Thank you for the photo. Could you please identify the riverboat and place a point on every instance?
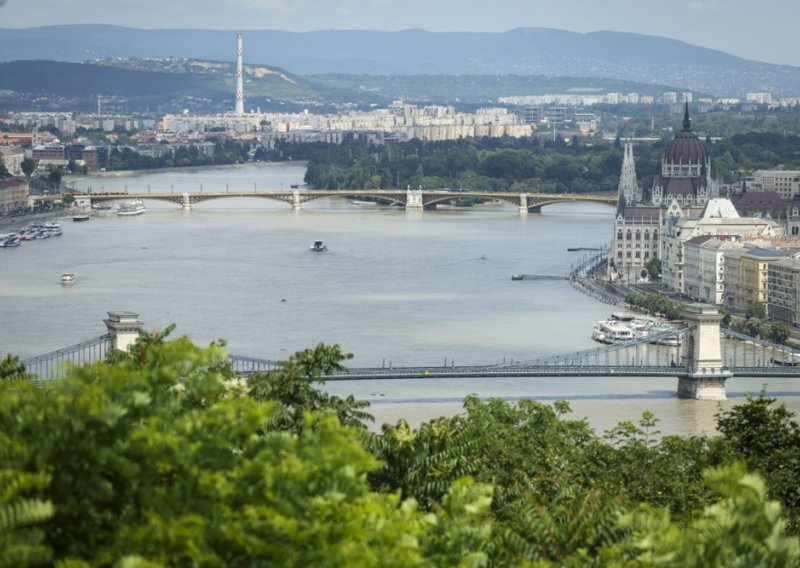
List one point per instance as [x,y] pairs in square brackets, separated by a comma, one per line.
[318,246]
[611,331]
[130,208]
[67,279]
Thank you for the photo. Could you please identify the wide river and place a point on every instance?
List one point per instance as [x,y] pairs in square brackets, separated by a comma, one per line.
[395,287]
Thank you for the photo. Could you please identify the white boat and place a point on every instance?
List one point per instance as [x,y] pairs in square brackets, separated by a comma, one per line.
[672,340]
[130,208]
[80,218]
[612,331]
[67,278]
[318,246]
[10,241]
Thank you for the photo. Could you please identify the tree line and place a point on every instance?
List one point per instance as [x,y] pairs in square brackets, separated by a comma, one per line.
[532,164]
[164,456]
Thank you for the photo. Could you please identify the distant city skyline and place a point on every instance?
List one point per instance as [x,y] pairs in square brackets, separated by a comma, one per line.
[761,31]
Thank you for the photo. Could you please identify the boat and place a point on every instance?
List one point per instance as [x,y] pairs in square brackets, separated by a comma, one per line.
[80,218]
[67,278]
[611,331]
[101,206]
[517,277]
[319,246]
[130,208]
[10,241]
[790,360]
[671,341]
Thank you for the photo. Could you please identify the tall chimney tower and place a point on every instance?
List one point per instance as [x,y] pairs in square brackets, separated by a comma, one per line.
[239,80]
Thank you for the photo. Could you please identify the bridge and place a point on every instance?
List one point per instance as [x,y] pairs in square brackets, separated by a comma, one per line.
[700,354]
[408,198]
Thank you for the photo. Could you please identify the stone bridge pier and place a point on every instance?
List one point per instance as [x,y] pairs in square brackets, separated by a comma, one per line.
[414,199]
[123,327]
[702,355]
[523,203]
[186,201]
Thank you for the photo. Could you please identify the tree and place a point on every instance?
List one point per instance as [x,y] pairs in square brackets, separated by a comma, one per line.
[12,368]
[54,177]
[653,268]
[28,166]
[778,332]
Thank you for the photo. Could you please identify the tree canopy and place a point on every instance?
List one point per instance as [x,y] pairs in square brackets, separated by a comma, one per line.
[164,456]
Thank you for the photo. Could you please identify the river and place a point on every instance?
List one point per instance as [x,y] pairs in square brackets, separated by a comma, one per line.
[396,287]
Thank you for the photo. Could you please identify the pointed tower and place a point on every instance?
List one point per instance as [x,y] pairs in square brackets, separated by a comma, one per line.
[628,186]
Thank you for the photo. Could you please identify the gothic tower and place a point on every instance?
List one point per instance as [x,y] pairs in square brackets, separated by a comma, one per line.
[628,187]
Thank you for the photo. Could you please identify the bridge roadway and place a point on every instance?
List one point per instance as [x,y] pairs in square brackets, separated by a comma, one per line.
[410,198]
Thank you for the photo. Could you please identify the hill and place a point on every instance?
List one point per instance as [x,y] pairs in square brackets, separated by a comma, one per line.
[523,51]
[172,84]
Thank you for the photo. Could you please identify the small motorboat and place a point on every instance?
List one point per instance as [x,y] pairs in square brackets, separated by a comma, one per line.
[80,218]
[319,246]
[67,279]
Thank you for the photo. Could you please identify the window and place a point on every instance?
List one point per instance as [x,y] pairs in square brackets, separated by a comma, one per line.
[619,235]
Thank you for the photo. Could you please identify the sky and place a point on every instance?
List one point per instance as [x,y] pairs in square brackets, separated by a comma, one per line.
[763,30]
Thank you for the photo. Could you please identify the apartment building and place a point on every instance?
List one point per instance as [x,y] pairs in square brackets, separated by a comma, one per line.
[13,194]
[786,183]
[784,290]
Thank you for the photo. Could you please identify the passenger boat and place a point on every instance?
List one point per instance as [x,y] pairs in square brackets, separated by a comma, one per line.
[611,331]
[67,278]
[130,208]
[80,218]
[319,246]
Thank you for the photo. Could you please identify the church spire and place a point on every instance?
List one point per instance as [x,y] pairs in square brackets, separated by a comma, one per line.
[628,186]
[687,122]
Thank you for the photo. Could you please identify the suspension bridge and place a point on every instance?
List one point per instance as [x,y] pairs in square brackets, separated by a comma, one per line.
[700,354]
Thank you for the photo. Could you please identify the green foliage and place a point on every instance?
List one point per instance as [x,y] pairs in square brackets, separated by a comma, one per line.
[656,304]
[293,384]
[28,166]
[767,437]
[653,268]
[741,529]
[488,164]
[163,456]
[755,310]
[11,367]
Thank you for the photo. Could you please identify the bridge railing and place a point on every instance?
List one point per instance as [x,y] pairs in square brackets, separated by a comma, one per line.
[249,365]
[743,352]
[53,365]
[661,349]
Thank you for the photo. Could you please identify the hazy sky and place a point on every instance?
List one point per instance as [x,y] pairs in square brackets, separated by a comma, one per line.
[764,30]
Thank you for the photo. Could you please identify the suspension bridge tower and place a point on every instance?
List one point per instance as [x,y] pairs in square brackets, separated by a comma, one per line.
[702,355]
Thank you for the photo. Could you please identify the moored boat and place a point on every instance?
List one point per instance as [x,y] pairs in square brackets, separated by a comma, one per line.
[611,331]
